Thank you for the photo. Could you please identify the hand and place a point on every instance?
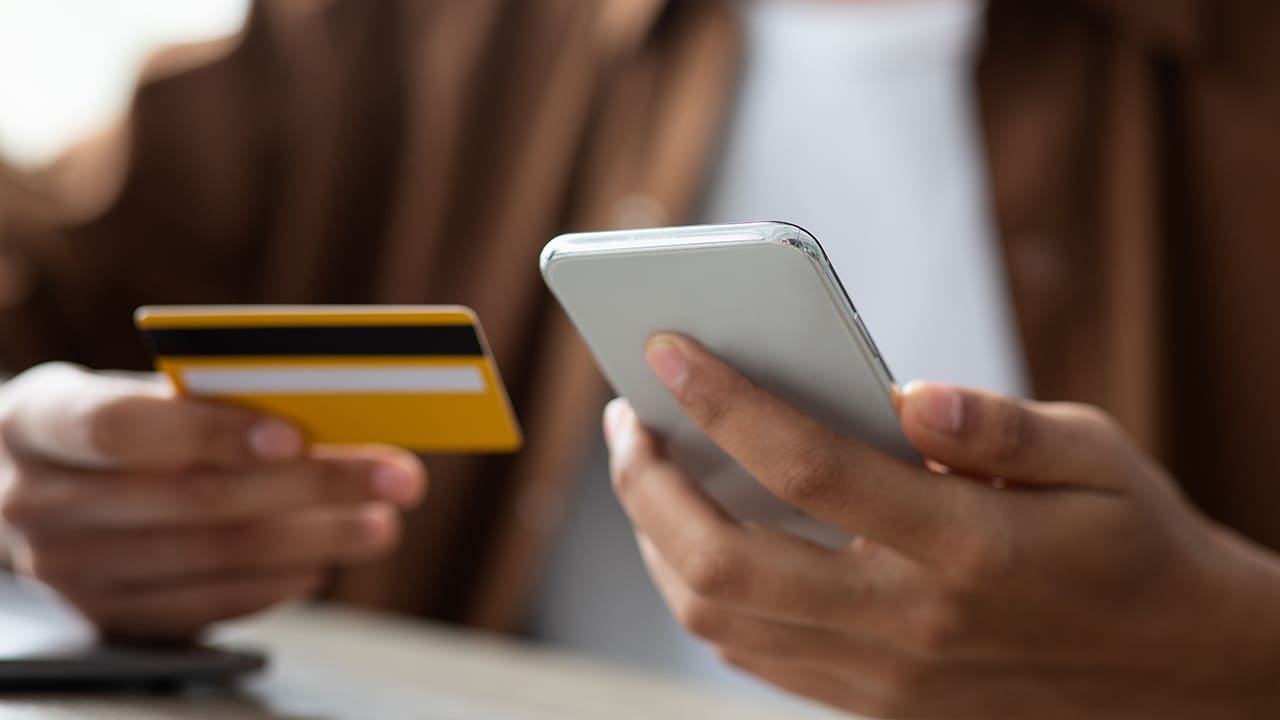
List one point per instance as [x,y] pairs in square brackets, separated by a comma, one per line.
[155,515]
[1052,572]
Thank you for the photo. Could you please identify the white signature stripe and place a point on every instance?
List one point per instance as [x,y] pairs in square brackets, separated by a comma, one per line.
[333,380]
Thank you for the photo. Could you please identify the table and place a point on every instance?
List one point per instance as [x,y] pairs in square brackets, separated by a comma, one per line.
[333,663]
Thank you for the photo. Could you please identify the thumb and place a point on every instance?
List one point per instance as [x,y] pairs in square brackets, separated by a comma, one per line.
[65,414]
[996,436]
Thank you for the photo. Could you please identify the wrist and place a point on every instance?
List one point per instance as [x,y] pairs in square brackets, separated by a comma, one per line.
[1247,645]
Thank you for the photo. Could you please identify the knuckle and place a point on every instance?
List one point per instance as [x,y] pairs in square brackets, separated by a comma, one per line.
[715,416]
[809,474]
[716,570]
[707,398]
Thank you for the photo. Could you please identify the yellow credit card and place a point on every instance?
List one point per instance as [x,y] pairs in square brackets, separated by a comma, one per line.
[420,377]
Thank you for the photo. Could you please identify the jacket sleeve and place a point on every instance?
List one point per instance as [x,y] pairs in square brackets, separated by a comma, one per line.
[1174,25]
[165,207]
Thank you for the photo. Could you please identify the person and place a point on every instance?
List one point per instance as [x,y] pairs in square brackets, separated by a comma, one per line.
[1128,151]
[1054,570]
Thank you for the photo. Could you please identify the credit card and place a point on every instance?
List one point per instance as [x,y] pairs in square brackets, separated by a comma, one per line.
[420,377]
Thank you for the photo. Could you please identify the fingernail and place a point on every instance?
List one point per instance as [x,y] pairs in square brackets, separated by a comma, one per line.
[941,408]
[394,483]
[614,415]
[275,440]
[667,362]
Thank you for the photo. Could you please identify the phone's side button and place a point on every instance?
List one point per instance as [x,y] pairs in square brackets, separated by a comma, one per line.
[875,351]
[884,369]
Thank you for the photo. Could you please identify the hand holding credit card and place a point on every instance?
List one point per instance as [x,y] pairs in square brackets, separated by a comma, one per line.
[419,377]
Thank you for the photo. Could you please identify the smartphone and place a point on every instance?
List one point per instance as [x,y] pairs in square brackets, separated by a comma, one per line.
[46,647]
[761,296]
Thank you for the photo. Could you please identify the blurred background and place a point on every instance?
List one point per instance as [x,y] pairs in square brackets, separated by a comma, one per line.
[67,67]
[1120,176]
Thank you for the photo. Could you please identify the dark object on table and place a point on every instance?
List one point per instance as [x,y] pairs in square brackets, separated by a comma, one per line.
[45,647]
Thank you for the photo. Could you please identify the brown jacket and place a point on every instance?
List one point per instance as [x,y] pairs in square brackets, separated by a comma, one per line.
[422,151]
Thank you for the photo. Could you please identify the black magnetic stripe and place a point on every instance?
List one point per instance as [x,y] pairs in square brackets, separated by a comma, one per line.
[352,340]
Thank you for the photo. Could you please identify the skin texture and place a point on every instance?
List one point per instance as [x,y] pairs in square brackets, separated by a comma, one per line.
[1040,566]
[155,515]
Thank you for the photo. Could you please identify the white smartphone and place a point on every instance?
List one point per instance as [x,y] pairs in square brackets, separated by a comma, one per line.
[761,296]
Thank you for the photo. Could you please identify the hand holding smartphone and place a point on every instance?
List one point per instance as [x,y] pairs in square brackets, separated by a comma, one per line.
[761,296]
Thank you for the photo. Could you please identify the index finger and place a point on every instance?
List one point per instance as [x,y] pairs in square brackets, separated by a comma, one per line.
[837,479]
[73,417]
[765,574]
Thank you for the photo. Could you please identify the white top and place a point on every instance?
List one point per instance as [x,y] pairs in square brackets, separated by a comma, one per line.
[68,67]
[855,120]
